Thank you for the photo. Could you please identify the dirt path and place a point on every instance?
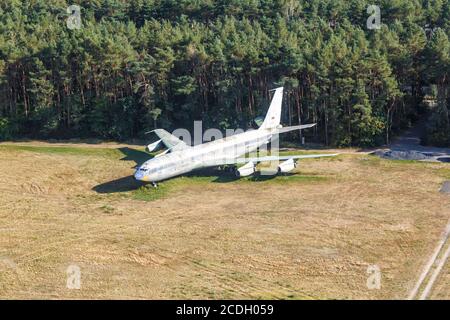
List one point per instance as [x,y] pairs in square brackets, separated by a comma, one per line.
[429,266]
[410,141]
[436,273]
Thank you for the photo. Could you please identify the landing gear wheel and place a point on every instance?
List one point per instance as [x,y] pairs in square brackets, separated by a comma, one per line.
[155,185]
[230,169]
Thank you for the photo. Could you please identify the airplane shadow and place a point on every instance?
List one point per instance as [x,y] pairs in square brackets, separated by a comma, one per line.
[137,156]
[126,183]
[220,176]
[119,185]
[258,177]
[227,177]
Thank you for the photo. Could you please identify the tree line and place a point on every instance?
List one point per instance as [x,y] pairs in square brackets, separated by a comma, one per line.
[140,64]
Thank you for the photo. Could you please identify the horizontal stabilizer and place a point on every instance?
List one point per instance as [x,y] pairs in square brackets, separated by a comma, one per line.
[300,127]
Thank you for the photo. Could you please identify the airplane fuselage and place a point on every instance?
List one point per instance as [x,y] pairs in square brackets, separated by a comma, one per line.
[201,156]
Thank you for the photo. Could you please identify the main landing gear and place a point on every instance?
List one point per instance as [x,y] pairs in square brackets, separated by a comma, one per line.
[228,169]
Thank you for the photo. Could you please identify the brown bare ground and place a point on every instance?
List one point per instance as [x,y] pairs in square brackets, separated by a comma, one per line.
[284,239]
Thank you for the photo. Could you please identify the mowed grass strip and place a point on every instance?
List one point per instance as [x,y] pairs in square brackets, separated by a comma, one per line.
[170,187]
[67,150]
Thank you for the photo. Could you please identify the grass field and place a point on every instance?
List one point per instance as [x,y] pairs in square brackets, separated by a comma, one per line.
[303,236]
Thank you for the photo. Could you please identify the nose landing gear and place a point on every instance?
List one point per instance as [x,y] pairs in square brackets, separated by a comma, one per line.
[155,185]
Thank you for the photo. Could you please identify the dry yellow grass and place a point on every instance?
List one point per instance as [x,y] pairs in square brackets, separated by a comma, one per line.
[312,235]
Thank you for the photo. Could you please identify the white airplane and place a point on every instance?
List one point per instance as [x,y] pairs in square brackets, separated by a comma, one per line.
[179,158]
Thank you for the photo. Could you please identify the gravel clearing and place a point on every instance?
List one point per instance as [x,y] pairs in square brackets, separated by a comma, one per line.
[401,155]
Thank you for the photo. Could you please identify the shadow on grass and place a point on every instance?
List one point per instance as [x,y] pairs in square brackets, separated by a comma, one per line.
[214,174]
[259,177]
[139,157]
[206,175]
[119,185]
[221,176]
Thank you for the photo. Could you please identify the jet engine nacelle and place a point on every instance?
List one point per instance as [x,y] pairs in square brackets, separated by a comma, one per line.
[153,146]
[162,153]
[246,170]
[287,166]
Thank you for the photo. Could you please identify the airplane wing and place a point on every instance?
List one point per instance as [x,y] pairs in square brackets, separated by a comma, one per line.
[170,141]
[219,162]
[282,158]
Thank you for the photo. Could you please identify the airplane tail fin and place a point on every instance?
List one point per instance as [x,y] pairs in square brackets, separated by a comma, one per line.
[273,116]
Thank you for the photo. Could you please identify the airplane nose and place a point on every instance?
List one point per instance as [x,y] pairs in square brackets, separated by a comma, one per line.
[139,175]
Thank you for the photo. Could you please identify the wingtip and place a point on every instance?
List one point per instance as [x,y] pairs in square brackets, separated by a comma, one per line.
[275,89]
